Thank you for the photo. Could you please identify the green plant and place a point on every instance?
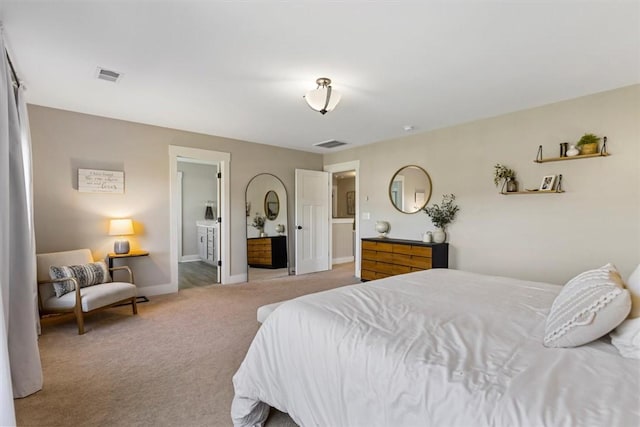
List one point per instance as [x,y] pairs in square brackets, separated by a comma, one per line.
[502,173]
[258,221]
[443,214]
[588,138]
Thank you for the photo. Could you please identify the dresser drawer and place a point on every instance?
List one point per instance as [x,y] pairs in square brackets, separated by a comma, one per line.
[412,261]
[388,257]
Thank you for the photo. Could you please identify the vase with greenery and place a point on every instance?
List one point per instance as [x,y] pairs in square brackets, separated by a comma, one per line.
[505,175]
[588,144]
[442,215]
[258,222]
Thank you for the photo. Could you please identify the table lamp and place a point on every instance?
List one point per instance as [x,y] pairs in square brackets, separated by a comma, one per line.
[121,227]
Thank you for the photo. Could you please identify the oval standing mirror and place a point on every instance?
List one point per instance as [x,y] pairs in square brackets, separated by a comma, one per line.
[271,205]
[267,228]
[410,189]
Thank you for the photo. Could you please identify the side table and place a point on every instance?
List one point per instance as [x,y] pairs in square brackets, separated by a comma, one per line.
[131,254]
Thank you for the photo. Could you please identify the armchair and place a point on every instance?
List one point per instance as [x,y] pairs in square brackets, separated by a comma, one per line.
[82,300]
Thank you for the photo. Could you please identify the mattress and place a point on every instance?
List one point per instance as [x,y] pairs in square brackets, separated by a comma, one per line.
[434,348]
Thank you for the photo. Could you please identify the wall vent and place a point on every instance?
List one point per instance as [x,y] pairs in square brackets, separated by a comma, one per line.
[332,143]
[108,75]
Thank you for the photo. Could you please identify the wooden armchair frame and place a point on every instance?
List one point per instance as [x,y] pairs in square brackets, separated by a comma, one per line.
[77,309]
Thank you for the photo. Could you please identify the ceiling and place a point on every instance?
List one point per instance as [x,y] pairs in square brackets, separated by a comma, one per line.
[240,69]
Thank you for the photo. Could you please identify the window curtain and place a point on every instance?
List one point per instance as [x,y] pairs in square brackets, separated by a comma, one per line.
[20,368]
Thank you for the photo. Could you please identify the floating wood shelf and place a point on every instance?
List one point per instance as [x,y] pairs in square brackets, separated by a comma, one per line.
[580,156]
[509,193]
[603,153]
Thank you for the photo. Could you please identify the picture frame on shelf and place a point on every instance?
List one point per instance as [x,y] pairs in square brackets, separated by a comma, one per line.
[547,183]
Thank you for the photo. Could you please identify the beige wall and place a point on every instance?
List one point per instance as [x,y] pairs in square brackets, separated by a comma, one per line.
[548,237]
[65,219]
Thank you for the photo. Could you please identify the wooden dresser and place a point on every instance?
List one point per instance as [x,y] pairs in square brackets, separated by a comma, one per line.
[388,257]
[267,252]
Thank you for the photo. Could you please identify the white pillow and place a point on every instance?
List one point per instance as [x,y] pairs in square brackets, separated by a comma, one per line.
[588,307]
[626,338]
[633,285]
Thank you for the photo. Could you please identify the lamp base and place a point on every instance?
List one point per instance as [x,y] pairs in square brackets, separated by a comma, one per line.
[121,247]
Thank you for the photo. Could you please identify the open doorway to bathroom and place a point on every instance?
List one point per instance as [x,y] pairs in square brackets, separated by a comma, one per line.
[344,230]
[198,247]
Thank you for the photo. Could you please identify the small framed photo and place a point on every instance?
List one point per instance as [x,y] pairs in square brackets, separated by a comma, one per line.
[547,183]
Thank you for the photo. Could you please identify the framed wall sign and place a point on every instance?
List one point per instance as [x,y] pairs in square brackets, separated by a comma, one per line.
[100,181]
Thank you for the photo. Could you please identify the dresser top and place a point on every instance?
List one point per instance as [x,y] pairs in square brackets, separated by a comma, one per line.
[402,241]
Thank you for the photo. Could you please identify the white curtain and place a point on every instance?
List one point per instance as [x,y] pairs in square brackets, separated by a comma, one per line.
[20,368]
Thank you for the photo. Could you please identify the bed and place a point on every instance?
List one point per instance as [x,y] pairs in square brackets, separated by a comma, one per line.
[434,348]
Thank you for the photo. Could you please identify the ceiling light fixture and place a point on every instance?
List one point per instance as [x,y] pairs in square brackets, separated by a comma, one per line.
[322,99]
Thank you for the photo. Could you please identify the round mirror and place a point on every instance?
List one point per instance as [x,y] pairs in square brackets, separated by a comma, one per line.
[410,189]
[271,205]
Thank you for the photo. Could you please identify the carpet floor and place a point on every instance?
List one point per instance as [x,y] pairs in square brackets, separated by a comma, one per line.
[171,365]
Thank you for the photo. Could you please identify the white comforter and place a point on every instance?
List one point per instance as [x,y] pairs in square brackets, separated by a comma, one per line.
[434,348]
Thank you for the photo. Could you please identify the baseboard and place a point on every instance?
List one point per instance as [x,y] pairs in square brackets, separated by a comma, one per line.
[343,260]
[167,288]
[238,278]
[190,258]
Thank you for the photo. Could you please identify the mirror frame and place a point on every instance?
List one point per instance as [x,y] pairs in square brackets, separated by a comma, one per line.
[285,222]
[266,210]
[426,198]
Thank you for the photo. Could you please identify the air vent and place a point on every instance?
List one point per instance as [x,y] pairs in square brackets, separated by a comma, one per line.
[108,75]
[332,143]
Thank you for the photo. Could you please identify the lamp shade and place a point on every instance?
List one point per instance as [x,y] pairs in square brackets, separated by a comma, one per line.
[120,227]
[323,99]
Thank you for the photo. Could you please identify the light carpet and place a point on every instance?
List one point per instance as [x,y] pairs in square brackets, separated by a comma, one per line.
[171,365]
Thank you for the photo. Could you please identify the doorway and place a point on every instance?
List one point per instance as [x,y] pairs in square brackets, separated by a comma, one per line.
[344,233]
[220,224]
[198,243]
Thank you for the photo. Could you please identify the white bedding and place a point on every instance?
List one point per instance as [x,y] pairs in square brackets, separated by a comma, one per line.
[434,348]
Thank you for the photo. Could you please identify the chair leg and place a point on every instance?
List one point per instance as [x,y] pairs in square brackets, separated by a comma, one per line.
[134,305]
[80,321]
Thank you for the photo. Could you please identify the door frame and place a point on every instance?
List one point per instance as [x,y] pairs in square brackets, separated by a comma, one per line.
[344,167]
[223,160]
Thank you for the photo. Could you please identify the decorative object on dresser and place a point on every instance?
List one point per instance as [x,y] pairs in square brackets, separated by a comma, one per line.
[280,228]
[389,257]
[258,222]
[507,176]
[441,216]
[267,252]
[382,227]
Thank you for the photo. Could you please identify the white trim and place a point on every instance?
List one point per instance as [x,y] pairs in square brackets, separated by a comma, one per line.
[223,160]
[148,291]
[190,258]
[343,167]
[237,278]
[342,260]
[179,213]
[342,220]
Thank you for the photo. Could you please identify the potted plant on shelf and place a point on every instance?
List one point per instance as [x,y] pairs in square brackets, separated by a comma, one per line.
[441,216]
[588,144]
[258,222]
[505,175]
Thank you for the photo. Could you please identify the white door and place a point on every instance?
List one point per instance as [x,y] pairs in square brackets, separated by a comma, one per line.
[312,221]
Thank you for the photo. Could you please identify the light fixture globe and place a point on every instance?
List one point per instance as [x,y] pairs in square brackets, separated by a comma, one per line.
[322,99]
